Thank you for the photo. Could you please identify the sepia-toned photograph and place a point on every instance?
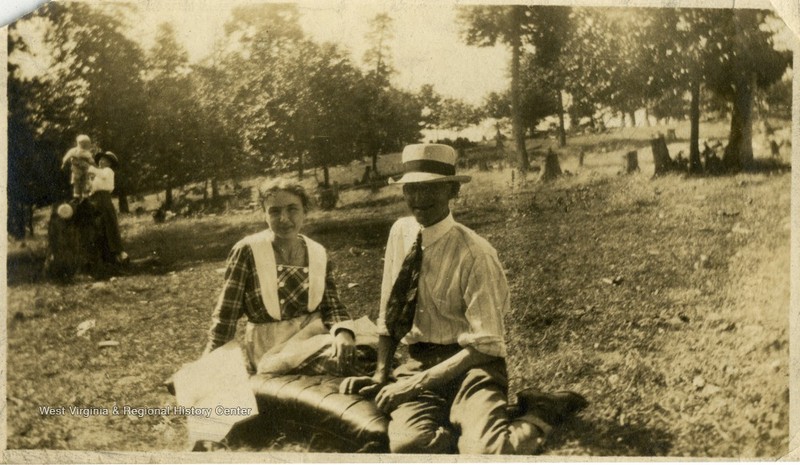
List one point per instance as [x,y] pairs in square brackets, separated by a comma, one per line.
[410,229]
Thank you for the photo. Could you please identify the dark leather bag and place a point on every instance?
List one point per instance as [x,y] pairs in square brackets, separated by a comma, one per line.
[312,405]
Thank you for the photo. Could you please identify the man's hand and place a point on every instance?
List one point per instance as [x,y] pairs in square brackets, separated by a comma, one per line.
[364,386]
[392,395]
[344,350]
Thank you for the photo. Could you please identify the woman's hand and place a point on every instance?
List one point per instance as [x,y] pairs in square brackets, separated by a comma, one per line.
[344,350]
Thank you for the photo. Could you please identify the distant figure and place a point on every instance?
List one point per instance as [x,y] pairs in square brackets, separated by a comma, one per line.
[711,162]
[775,148]
[80,159]
[681,162]
[498,138]
[367,176]
[102,184]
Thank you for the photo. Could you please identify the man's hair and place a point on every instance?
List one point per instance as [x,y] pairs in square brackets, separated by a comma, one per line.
[268,188]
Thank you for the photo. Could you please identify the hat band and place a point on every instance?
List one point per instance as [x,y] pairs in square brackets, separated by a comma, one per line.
[430,166]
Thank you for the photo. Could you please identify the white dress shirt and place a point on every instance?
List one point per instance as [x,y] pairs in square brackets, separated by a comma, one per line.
[462,294]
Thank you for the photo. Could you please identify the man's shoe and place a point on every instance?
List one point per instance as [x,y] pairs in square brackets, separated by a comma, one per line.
[553,408]
[206,445]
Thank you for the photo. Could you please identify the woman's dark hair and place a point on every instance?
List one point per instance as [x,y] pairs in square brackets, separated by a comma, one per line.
[268,188]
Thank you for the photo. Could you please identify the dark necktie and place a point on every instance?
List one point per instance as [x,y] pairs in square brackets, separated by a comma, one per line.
[402,303]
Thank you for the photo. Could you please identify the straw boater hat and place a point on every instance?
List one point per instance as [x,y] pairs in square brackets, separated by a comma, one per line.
[430,163]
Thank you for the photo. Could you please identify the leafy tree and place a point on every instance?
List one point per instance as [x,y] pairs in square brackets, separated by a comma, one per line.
[431,103]
[219,141]
[253,52]
[378,61]
[587,63]
[730,52]
[446,113]
[746,61]
[173,124]
[777,98]
[89,82]
[378,56]
[34,176]
[540,93]
[330,87]
[497,105]
[516,26]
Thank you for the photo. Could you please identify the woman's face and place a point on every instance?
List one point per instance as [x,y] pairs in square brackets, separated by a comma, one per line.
[104,162]
[285,214]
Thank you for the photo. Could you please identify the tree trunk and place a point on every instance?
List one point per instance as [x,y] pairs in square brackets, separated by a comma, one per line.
[16,219]
[168,196]
[632,115]
[562,133]
[646,117]
[214,189]
[300,165]
[205,191]
[663,162]
[517,12]
[695,166]
[326,176]
[552,168]
[631,162]
[375,163]
[122,195]
[739,152]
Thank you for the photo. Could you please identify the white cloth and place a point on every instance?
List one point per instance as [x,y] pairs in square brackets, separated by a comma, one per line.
[217,390]
[261,339]
[102,179]
[462,293]
[310,341]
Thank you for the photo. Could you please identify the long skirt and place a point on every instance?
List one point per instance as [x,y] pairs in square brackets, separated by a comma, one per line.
[110,239]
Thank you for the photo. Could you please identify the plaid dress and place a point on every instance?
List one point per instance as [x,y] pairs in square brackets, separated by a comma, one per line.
[241,296]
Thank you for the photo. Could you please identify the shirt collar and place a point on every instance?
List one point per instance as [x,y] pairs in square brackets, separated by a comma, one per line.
[432,233]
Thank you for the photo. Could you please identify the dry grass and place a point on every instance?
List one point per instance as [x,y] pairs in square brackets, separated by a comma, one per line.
[686,355]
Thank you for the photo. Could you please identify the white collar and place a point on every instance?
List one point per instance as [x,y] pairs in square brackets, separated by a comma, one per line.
[432,233]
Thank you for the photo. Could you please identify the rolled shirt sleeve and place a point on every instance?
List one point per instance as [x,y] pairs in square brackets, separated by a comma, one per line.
[486,297]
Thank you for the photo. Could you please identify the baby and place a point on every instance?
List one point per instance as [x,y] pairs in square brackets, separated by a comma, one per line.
[80,158]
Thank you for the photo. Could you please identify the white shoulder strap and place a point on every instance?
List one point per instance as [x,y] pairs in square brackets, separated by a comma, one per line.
[264,258]
[317,265]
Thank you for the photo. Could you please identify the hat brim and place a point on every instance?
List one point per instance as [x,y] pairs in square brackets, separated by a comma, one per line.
[112,158]
[417,177]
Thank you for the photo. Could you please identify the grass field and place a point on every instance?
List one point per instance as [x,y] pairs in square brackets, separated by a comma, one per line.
[665,301]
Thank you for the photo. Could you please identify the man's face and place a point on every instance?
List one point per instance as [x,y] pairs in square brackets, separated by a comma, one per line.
[429,201]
